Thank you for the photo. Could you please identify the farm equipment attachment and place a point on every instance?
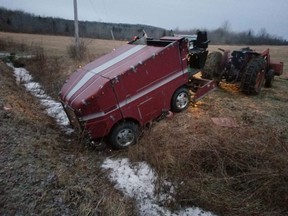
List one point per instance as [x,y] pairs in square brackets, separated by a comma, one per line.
[245,66]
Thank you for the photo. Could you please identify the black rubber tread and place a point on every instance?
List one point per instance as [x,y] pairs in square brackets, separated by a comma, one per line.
[179,91]
[125,125]
[249,78]
[212,68]
[269,77]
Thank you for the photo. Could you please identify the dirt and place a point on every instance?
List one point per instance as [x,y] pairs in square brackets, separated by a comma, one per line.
[43,171]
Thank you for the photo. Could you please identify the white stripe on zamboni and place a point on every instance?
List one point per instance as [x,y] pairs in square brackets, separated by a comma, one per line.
[102,67]
[136,96]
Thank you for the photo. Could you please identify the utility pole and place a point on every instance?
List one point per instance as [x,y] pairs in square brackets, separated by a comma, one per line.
[76,28]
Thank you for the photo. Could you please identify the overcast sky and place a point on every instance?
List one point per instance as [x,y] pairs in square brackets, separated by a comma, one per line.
[242,15]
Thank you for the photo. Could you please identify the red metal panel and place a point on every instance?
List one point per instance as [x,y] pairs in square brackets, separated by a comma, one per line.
[172,38]
[129,63]
[146,85]
[206,87]
[80,73]
[277,67]
[103,59]
[111,65]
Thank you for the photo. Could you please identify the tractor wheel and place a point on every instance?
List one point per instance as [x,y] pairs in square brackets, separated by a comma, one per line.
[269,77]
[124,134]
[180,100]
[253,76]
[212,68]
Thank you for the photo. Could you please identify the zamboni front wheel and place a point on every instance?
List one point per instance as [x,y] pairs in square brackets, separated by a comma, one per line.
[124,134]
[180,100]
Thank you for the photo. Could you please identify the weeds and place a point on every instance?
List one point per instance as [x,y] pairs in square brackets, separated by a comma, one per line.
[230,171]
[9,45]
[79,54]
[46,70]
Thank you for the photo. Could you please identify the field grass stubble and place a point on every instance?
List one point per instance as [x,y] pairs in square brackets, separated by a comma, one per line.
[232,171]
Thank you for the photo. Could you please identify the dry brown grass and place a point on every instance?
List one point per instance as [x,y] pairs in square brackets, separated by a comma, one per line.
[230,171]
[57,45]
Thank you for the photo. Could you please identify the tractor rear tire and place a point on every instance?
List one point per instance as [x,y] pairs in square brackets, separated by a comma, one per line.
[269,77]
[253,77]
[212,68]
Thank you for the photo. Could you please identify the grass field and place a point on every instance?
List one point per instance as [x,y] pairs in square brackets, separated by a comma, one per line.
[229,171]
[57,46]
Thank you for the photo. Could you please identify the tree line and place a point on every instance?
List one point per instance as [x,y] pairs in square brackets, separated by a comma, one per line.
[224,35]
[19,21]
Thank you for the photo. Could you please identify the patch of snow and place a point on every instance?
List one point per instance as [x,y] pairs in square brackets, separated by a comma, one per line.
[53,108]
[138,181]
[4,54]
[17,56]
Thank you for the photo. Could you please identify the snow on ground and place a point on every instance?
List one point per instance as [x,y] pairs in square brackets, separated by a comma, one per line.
[137,180]
[53,108]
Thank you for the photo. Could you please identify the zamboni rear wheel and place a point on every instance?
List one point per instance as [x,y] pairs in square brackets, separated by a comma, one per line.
[180,100]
